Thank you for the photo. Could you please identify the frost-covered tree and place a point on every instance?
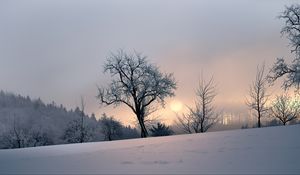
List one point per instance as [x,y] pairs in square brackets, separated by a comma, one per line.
[291,71]
[136,83]
[39,137]
[203,116]
[160,130]
[110,127]
[14,137]
[75,133]
[77,130]
[285,109]
[20,135]
[258,96]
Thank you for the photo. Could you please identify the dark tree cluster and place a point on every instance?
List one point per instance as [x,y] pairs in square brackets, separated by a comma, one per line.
[160,130]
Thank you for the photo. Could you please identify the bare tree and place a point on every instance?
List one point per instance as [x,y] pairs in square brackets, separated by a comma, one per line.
[258,96]
[39,137]
[185,123]
[15,136]
[136,83]
[110,128]
[204,115]
[291,72]
[285,109]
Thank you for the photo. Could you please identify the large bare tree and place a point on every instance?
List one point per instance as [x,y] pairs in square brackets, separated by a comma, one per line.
[291,71]
[285,109]
[203,116]
[258,96]
[135,83]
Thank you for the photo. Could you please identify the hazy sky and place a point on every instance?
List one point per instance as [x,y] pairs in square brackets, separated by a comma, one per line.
[55,49]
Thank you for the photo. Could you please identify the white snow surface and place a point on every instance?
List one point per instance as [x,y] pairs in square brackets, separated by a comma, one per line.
[273,150]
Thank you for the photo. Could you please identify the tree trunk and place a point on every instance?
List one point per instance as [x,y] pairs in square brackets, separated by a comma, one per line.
[19,143]
[140,116]
[35,143]
[201,129]
[144,132]
[258,124]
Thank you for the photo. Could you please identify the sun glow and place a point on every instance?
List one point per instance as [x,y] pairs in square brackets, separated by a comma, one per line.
[176,106]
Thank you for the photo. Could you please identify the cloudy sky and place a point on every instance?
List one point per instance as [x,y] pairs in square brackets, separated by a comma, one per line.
[55,49]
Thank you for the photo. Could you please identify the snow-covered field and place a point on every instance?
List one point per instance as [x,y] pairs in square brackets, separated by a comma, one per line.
[274,150]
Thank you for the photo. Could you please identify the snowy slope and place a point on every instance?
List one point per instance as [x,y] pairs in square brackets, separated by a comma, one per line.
[266,150]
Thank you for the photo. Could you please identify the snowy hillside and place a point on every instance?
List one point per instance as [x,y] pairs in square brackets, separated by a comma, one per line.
[266,150]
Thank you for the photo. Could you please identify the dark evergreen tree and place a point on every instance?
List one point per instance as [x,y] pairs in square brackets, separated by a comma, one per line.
[160,130]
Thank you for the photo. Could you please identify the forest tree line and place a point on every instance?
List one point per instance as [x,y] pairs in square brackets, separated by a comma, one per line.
[27,123]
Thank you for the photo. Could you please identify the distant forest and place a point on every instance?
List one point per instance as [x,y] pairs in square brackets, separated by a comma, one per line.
[27,123]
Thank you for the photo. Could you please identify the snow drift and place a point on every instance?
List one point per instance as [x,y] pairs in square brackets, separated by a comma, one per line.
[274,150]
